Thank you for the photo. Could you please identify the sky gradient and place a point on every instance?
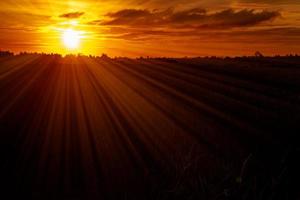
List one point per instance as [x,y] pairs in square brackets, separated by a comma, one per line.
[154,27]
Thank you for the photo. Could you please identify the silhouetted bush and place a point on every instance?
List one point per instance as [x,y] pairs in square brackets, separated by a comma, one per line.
[6,53]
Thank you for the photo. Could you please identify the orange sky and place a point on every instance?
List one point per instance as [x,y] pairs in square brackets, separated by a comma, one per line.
[152,27]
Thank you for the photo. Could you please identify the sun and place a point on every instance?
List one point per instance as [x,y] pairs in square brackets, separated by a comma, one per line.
[71,38]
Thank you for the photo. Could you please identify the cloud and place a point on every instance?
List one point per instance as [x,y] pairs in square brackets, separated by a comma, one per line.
[195,24]
[134,17]
[130,13]
[72,15]
[23,21]
[241,18]
[196,17]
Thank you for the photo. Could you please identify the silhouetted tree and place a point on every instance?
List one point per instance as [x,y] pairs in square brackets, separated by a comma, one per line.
[258,54]
[104,57]
[5,53]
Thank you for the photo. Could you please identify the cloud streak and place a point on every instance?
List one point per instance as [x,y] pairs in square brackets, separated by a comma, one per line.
[71,15]
[196,17]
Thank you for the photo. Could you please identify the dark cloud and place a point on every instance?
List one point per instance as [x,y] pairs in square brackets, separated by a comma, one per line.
[138,17]
[196,17]
[241,18]
[130,13]
[72,15]
[195,24]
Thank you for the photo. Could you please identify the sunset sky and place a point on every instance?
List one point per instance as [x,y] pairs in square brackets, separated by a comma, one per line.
[151,27]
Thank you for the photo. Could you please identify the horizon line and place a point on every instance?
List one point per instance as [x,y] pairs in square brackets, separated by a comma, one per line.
[254,55]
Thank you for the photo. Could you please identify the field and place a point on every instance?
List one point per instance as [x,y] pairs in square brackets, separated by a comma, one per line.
[156,128]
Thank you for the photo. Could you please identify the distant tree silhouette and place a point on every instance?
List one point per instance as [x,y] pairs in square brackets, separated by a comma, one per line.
[105,56]
[6,53]
[258,54]
[165,59]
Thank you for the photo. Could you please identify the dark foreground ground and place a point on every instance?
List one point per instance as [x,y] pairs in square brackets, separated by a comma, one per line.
[87,128]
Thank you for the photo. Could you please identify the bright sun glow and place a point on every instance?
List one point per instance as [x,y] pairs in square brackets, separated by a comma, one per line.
[71,38]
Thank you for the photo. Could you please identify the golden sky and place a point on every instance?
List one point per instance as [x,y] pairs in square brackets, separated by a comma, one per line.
[152,27]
